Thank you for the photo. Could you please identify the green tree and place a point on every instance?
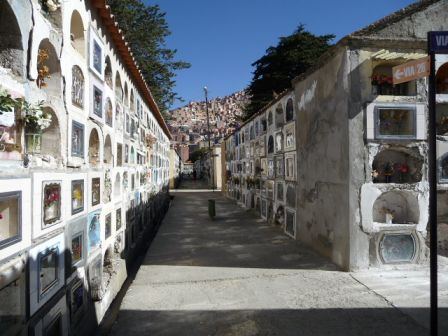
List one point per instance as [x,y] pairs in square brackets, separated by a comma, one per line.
[198,154]
[274,71]
[146,29]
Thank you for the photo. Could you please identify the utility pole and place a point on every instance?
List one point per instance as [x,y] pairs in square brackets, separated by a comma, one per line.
[211,165]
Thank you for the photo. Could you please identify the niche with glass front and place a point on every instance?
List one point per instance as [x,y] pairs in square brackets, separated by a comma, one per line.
[291,195]
[279,166]
[10,218]
[77,196]
[396,248]
[279,217]
[279,116]
[51,203]
[395,122]
[397,165]
[396,207]
[442,119]
[77,139]
[290,166]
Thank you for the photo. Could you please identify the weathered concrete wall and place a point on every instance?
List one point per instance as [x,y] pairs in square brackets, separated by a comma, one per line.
[435,17]
[323,159]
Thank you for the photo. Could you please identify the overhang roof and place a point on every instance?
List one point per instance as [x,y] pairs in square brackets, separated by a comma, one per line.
[386,55]
[128,59]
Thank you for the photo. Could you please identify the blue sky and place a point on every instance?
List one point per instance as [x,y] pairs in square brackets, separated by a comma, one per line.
[222,38]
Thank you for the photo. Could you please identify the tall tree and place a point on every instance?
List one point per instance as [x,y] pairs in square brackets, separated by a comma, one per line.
[146,29]
[274,71]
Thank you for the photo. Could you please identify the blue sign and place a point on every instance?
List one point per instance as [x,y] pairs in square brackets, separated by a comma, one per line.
[438,42]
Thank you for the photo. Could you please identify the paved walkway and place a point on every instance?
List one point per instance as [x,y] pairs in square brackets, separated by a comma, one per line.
[236,275]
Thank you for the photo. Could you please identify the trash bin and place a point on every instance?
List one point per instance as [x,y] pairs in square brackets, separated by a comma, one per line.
[211,208]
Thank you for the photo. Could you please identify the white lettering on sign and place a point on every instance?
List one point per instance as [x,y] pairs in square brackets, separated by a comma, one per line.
[442,40]
[410,71]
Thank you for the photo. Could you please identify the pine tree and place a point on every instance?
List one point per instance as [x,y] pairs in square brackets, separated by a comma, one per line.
[274,71]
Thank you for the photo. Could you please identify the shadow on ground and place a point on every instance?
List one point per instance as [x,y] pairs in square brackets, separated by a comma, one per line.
[311,322]
[235,238]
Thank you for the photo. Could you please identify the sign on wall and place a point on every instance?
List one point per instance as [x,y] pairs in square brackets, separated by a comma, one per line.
[411,70]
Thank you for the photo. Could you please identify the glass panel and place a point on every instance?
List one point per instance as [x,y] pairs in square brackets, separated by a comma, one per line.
[48,270]
[77,87]
[77,299]
[397,248]
[96,191]
[395,122]
[52,203]
[76,248]
[55,328]
[10,223]
[77,139]
[77,196]
[118,219]
[97,102]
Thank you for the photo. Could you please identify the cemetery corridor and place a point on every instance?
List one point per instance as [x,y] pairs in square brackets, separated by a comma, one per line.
[238,275]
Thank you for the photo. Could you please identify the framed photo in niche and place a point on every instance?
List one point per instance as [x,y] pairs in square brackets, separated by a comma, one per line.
[290,166]
[290,136]
[118,219]
[97,102]
[96,191]
[76,247]
[108,225]
[51,203]
[279,166]
[10,218]
[97,58]
[395,122]
[278,142]
[94,230]
[77,196]
[48,263]
[77,139]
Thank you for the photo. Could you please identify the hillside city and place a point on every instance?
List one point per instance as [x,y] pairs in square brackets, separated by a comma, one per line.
[188,124]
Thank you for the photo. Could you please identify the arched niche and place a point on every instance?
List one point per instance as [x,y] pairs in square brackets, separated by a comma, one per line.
[270,144]
[126,95]
[132,101]
[270,118]
[77,33]
[132,158]
[442,79]
[108,72]
[109,112]
[381,81]
[11,44]
[397,165]
[396,207]
[94,148]
[117,185]
[51,136]
[289,110]
[48,69]
[118,88]
[78,86]
[108,158]
[279,116]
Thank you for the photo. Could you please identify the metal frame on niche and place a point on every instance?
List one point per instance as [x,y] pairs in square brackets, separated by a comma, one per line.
[15,195]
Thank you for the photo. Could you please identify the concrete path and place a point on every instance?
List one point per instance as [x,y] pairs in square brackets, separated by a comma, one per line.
[237,275]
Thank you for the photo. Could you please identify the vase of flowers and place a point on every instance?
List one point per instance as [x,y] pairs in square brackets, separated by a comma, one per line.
[35,120]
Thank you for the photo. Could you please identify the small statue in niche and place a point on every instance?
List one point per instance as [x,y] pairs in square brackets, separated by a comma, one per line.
[388,171]
[388,215]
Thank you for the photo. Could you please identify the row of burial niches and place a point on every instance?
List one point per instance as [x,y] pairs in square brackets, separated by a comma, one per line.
[442,153]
